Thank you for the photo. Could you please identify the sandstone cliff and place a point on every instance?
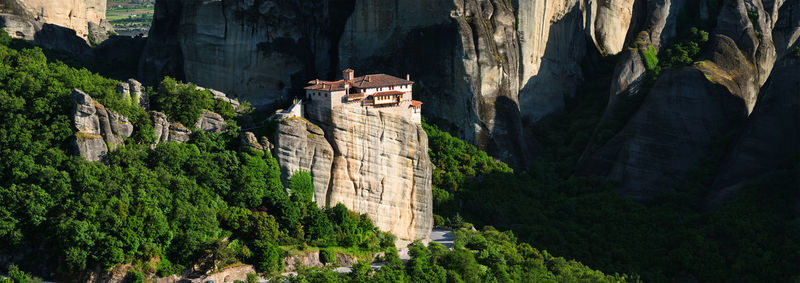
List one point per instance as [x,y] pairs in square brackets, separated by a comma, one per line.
[372,162]
[85,17]
[254,50]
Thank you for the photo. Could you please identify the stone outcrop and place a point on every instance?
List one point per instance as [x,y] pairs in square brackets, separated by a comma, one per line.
[250,141]
[133,91]
[166,131]
[372,162]
[301,145]
[691,108]
[97,128]
[210,122]
[85,17]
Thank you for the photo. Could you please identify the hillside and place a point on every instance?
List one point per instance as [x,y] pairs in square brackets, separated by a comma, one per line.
[184,207]
[655,140]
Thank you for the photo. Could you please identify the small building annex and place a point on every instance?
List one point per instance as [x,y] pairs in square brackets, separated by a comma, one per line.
[376,91]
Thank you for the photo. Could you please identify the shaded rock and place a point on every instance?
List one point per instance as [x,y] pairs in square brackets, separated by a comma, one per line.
[690,109]
[771,136]
[275,46]
[553,43]
[211,122]
[99,32]
[672,131]
[300,144]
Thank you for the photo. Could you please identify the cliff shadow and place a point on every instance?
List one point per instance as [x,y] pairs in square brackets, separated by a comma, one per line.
[508,138]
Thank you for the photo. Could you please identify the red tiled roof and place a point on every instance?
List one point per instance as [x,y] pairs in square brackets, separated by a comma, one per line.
[378,80]
[367,81]
[416,103]
[355,96]
[387,93]
[325,85]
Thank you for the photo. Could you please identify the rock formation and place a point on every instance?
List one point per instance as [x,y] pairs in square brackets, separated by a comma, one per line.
[691,108]
[85,17]
[302,145]
[771,137]
[372,162]
[254,50]
[210,122]
[97,128]
[132,90]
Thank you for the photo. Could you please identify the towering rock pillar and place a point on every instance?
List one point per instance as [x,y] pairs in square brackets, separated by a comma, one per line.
[373,162]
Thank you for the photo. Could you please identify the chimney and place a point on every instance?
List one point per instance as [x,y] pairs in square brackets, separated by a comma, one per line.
[348,74]
[408,77]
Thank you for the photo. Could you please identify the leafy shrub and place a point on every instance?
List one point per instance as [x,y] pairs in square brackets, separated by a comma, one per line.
[327,256]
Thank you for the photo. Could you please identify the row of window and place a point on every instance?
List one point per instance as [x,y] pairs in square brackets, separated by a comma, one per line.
[325,94]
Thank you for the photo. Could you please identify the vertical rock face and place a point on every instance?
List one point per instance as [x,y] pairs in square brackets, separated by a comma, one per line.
[255,50]
[691,108]
[770,137]
[382,168]
[97,128]
[302,145]
[552,42]
[611,23]
[472,88]
[372,162]
[78,15]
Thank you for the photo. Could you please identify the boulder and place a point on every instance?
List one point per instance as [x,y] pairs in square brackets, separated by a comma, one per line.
[160,127]
[97,128]
[249,141]
[179,133]
[211,122]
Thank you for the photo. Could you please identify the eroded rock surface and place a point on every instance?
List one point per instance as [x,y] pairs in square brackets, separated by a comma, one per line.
[97,128]
[85,17]
[299,144]
[771,136]
[372,162]
[690,109]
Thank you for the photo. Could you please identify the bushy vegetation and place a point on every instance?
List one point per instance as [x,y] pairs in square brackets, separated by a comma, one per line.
[477,256]
[685,50]
[185,102]
[161,209]
[455,163]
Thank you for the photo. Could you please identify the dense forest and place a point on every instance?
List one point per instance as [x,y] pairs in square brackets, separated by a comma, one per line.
[207,202]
